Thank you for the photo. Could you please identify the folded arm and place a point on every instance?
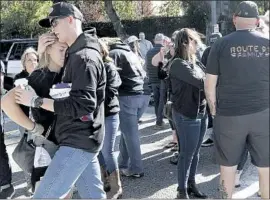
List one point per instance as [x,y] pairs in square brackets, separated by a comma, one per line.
[14,111]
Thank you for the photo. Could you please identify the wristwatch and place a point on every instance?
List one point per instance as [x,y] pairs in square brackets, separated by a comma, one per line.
[38,102]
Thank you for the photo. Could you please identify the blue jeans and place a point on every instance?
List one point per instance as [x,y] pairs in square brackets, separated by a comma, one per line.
[130,151]
[146,99]
[106,157]
[70,166]
[160,98]
[190,134]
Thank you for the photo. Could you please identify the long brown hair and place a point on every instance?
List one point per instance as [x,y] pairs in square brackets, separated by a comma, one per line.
[183,41]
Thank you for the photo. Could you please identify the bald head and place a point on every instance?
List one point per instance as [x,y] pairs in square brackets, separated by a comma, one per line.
[245,23]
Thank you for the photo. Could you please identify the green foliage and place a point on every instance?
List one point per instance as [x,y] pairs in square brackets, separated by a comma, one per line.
[126,9]
[20,18]
[197,13]
[170,8]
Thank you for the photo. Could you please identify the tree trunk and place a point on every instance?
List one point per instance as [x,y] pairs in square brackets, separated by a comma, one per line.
[57,1]
[118,27]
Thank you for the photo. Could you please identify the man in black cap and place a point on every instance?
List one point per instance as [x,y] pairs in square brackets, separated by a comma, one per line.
[79,126]
[238,72]
[208,141]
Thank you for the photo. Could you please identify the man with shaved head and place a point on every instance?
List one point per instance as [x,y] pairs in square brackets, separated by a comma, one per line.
[237,90]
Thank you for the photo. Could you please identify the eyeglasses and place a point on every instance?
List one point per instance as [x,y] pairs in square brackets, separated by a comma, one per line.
[55,21]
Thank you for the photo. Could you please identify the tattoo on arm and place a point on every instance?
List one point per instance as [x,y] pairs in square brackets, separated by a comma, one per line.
[222,190]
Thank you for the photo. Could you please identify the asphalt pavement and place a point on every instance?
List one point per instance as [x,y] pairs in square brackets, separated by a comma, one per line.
[160,180]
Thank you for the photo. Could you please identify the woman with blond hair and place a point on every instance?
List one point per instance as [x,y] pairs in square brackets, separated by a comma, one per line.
[41,80]
[107,157]
[187,76]
[29,60]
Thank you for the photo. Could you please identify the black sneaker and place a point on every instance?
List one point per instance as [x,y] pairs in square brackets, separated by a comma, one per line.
[208,143]
[7,192]
[140,121]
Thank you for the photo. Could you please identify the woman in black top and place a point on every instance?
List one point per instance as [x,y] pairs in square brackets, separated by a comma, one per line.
[29,60]
[107,157]
[189,109]
[41,80]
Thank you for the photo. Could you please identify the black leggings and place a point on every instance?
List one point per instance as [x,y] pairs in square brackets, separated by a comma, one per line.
[5,170]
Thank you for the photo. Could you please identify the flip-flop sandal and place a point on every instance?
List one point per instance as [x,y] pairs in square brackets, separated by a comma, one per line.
[170,145]
[175,148]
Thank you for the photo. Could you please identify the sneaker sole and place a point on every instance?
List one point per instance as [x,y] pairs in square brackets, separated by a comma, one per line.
[11,196]
[133,175]
[207,145]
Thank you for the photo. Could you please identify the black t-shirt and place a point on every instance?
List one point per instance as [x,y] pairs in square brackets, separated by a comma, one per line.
[41,80]
[241,61]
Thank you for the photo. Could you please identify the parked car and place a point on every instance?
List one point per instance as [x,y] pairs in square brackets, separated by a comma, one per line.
[12,58]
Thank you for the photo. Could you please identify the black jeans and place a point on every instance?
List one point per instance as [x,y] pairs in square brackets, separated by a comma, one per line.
[160,98]
[5,170]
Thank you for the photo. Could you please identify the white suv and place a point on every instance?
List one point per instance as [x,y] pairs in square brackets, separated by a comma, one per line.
[12,60]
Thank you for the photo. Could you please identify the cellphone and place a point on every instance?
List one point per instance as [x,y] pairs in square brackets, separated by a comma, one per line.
[166,49]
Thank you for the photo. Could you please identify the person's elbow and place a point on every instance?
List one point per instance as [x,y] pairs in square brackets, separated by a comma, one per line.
[154,61]
[7,99]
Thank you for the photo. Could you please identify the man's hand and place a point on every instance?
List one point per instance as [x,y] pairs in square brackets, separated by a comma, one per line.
[210,84]
[44,41]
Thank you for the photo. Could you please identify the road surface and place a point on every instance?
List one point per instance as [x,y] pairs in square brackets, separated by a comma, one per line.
[160,180]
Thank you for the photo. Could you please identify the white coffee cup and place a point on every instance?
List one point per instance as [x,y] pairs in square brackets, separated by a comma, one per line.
[21,82]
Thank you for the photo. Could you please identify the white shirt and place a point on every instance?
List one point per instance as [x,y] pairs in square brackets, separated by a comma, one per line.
[145,46]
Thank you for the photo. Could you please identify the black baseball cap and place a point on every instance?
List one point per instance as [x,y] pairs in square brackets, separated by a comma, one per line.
[61,9]
[247,9]
[214,37]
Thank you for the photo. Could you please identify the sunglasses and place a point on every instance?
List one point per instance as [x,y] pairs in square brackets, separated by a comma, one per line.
[55,21]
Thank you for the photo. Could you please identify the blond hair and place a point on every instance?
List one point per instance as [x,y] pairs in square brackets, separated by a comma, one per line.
[103,43]
[25,53]
[44,59]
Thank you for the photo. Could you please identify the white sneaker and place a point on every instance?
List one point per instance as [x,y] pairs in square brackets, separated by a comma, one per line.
[237,178]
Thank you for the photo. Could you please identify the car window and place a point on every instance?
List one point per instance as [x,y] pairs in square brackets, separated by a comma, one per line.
[19,48]
[4,46]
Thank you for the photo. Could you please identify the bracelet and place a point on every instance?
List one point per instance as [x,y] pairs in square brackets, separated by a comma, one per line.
[33,101]
[34,127]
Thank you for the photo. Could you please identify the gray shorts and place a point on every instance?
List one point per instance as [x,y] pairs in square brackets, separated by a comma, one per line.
[233,133]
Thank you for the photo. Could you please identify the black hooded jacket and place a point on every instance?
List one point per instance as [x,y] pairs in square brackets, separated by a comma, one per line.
[131,71]
[112,84]
[80,117]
